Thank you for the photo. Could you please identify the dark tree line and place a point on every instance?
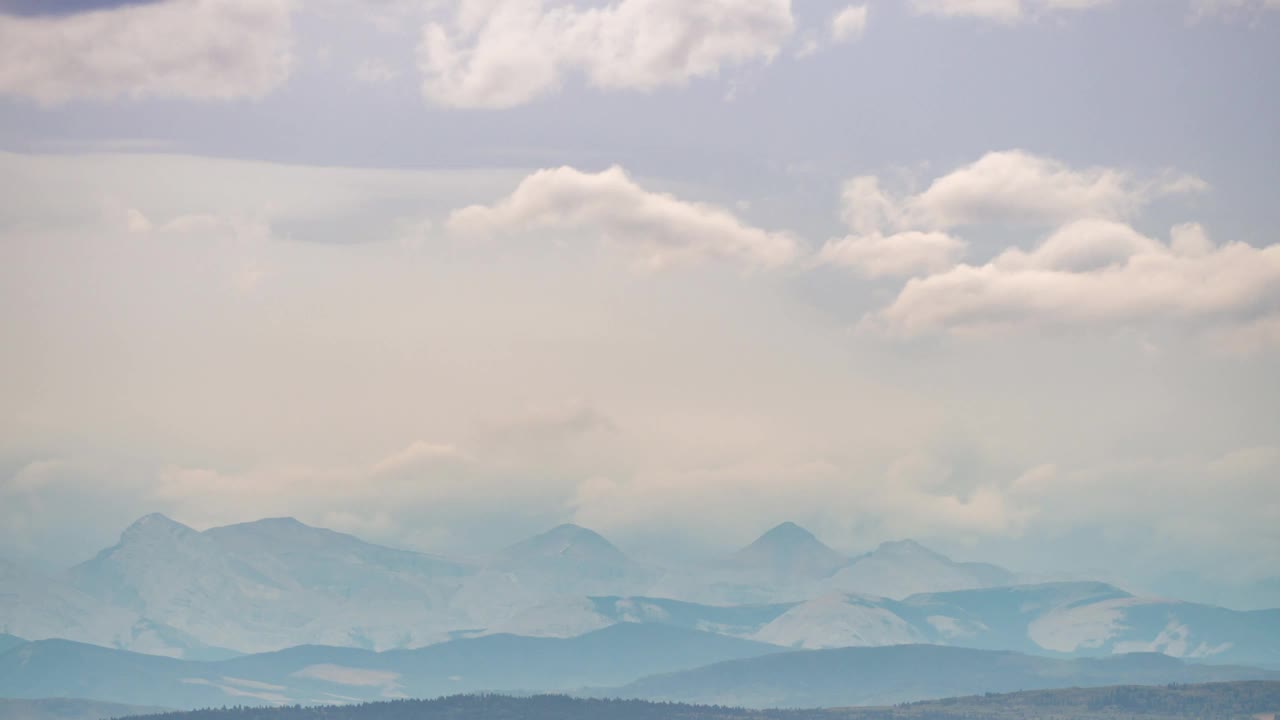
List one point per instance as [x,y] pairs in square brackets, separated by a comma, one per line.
[1218,701]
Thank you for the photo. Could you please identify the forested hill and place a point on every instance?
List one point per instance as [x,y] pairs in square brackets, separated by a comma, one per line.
[499,707]
[1217,701]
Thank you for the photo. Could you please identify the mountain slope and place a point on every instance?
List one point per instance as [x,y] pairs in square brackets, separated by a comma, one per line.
[38,607]
[874,676]
[315,674]
[8,642]
[1094,619]
[735,620]
[70,709]
[903,568]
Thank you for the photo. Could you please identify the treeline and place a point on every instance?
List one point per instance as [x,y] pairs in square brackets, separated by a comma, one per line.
[1217,701]
[496,707]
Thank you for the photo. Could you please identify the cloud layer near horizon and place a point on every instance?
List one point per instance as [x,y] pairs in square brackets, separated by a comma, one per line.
[410,264]
[556,378]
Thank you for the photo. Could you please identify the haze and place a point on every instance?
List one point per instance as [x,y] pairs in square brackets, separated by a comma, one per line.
[999,277]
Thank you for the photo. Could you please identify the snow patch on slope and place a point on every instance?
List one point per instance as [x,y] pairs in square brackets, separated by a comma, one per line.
[838,620]
[1073,628]
[1175,641]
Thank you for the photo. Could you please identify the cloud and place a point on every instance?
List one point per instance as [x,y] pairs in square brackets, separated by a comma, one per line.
[660,228]
[904,253]
[909,496]
[1019,187]
[1231,8]
[1097,272]
[503,53]
[1002,11]
[1180,497]
[908,235]
[202,49]
[1092,269]
[998,10]
[849,24]
[570,388]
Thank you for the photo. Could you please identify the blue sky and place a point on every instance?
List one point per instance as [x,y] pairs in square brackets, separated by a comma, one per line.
[1000,275]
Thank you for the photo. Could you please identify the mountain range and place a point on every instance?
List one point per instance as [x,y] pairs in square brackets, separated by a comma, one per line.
[626,660]
[316,674]
[166,589]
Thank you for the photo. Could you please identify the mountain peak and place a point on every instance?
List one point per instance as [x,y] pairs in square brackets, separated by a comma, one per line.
[278,530]
[567,542]
[154,525]
[788,549]
[570,530]
[788,533]
[907,547]
[561,538]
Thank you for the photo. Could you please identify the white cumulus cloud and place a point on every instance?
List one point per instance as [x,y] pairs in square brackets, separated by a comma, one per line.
[503,53]
[661,228]
[910,234]
[1018,186]
[1097,272]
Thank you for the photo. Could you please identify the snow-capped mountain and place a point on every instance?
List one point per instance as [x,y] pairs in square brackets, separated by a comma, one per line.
[1077,619]
[272,584]
[36,607]
[1095,619]
[836,620]
[168,589]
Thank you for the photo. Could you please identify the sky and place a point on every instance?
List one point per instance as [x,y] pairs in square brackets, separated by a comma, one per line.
[1002,276]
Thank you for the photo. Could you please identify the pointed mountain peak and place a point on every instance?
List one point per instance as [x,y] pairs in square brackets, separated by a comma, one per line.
[788,533]
[566,541]
[569,530]
[789,549]
[155,525]
[568,533]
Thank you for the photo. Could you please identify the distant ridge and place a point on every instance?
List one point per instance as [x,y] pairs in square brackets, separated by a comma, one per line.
[70,709]
[1224,701]
[612,656]
[905,673]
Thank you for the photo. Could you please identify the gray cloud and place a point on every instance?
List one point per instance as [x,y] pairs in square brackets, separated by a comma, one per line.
[204,49]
